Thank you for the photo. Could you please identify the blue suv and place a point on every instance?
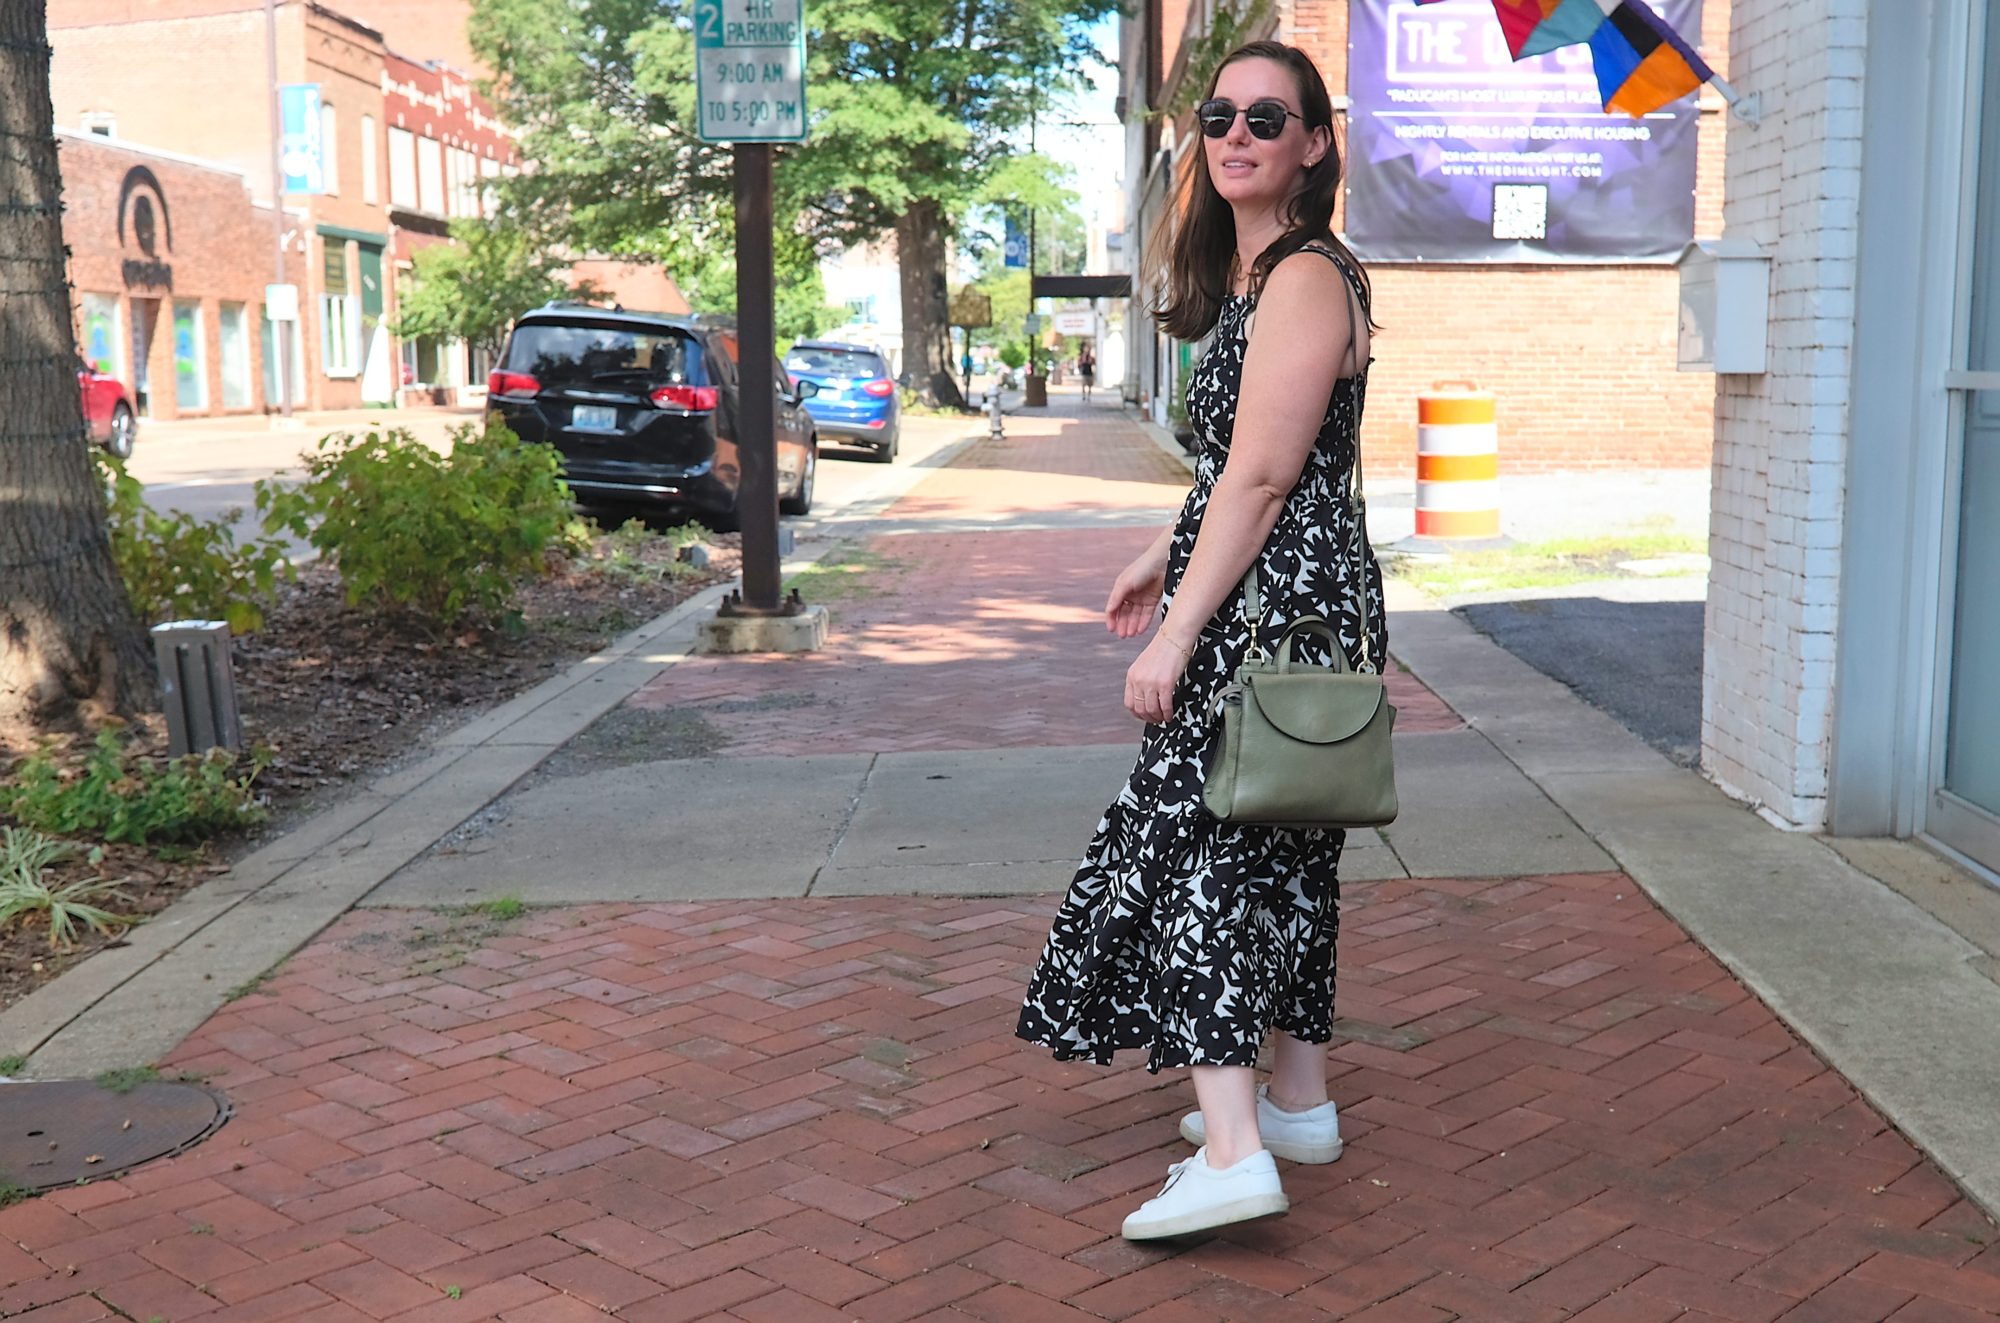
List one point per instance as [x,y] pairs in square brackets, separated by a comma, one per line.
[856,402]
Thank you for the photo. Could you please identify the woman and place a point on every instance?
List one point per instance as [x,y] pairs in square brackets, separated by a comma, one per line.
[1086,368]
[1181,934]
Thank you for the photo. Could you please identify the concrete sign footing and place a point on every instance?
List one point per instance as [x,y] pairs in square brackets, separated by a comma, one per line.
[805,632]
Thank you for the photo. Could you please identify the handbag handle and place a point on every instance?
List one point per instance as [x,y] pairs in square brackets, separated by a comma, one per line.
[1287,653]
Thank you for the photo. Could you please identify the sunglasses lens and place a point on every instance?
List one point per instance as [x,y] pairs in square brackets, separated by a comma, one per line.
[1266,119]
[1215,117]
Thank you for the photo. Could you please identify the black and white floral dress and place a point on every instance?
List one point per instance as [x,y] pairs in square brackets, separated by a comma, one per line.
[1181,934]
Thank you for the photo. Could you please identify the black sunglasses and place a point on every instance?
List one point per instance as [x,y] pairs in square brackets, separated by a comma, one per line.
[1266,118]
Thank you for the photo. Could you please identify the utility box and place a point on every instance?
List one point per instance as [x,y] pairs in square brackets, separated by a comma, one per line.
[197,686]
[1725,314]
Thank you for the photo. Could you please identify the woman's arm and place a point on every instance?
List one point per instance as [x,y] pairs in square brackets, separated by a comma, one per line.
[1303,339]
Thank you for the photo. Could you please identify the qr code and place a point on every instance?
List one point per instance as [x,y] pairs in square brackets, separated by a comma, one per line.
[1520,211]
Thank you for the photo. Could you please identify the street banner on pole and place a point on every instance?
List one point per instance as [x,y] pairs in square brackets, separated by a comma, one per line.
[1015,245]
[750,70]
[301,153]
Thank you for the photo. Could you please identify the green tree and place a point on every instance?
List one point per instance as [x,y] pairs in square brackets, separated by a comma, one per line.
[914,109]
[1035,191]
[473,289]
[799,305]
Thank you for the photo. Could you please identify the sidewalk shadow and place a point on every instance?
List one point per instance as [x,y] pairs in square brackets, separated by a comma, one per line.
[1638,661]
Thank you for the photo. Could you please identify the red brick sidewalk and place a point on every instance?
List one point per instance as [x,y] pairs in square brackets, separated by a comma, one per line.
[975,640]
[1557,1107]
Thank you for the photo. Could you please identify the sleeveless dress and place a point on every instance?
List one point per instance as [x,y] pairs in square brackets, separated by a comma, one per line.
[1187,936]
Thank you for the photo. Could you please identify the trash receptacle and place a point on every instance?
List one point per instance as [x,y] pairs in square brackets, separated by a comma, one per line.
[1037,394]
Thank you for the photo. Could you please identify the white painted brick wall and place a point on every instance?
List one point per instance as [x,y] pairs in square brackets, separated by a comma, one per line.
[1793,186]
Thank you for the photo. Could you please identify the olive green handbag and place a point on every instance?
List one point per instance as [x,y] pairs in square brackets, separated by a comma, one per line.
[1303,746]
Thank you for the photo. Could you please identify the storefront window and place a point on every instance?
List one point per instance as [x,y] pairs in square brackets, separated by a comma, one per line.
[339,317]
[100,332]
[420,361]
[232,322]
[190,373]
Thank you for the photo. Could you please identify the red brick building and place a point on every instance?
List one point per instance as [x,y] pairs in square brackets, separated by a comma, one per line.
[441,149]
[169,258]
[407,147]
[1581,356]
[122,69]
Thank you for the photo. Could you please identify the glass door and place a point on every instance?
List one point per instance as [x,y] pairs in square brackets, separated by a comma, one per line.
[1965,806]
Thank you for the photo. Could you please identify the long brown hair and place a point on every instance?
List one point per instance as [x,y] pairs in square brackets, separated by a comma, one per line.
[1196,242]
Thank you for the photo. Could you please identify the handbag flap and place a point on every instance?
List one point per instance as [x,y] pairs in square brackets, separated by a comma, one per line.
[1318,706]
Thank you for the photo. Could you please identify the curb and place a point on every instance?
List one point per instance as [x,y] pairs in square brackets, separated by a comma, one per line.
[134,1003]
[1161,437]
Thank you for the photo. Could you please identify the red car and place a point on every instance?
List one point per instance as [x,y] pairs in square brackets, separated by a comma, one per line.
[107,411]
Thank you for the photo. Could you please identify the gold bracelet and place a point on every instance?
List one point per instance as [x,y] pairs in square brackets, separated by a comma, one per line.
[1185,650]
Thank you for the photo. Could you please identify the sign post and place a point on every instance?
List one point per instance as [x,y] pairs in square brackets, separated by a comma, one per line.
[750,59]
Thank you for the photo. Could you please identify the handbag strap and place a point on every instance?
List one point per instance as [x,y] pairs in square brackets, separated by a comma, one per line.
[1253,600]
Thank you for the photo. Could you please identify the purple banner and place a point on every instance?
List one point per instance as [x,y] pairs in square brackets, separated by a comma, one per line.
[1458,154]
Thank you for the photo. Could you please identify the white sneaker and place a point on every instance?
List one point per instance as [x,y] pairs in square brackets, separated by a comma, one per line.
[1308,1136]
[1197,1197]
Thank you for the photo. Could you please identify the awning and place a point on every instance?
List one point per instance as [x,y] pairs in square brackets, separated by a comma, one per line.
[1081,287]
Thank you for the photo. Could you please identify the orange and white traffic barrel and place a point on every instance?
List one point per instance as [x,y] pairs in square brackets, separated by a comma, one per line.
[1458,462]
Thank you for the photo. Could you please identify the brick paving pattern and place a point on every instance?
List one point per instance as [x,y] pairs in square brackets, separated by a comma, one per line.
[979,640]
[1557,1108]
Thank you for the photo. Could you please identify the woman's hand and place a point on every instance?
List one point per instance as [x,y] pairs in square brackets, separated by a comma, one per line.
[1135,597]
[1150,681]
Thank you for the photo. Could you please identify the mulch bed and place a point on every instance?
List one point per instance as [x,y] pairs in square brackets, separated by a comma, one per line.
[340,695]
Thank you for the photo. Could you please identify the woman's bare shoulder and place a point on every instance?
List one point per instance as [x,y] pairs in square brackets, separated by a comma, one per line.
[1313,266]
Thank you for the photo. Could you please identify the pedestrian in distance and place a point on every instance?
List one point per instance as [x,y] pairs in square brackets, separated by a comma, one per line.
[1086,369]
[1186,936]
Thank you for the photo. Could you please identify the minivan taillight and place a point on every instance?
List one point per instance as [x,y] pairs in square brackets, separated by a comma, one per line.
[881,388]
[694,399]
[502,382]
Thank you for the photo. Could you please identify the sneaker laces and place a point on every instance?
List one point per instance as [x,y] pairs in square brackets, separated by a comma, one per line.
[1175,1171]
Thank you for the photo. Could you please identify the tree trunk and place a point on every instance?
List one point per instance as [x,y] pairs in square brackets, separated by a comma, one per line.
[926,330]
[69,645]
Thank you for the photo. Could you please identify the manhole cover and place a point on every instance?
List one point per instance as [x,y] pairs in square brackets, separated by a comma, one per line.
[59,1132]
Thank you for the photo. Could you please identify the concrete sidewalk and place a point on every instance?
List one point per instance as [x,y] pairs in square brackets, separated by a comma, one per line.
[751,1058]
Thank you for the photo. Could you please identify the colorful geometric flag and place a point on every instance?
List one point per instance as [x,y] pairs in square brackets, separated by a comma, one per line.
[1641,62]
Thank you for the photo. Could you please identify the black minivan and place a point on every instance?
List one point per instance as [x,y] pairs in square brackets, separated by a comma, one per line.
[643,408]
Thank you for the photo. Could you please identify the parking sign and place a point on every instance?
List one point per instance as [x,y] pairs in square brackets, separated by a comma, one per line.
[750,70]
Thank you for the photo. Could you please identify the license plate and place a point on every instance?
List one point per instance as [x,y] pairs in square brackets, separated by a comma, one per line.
[594,417]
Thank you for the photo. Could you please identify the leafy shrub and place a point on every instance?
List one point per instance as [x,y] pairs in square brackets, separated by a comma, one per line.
[118,794]
[25,860]
[436,536]
[178,567]
[1013,353]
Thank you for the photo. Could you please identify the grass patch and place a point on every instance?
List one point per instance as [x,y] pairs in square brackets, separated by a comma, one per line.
[1551,564]
[845,575]
[127,1078]
[13,1065]
[499,909]
[249,985]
